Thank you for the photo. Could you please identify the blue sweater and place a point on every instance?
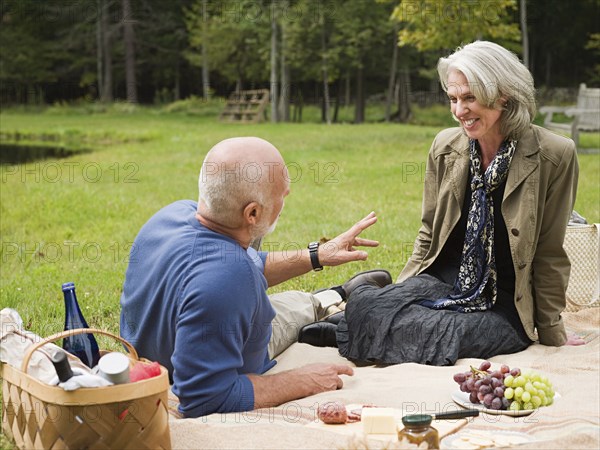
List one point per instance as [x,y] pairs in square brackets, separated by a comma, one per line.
[195,301]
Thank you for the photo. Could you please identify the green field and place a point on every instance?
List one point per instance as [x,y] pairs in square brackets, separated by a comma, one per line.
[74,219]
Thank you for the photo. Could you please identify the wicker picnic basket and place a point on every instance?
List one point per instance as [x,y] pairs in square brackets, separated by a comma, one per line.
[37,415]
[582,244]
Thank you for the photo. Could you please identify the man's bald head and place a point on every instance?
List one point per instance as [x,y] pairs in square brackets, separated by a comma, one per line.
[239,171]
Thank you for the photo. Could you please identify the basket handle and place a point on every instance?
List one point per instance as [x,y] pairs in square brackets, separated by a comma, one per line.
[55,337]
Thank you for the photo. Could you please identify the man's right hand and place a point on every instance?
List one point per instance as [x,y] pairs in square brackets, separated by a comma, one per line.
[273,390]
[324,377]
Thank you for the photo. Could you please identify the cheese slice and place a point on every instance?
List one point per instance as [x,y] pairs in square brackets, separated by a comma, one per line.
[379,421]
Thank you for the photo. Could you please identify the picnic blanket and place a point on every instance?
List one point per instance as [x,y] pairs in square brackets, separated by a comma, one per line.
[573,421]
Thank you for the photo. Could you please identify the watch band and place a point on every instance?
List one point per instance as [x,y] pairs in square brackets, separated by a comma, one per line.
[313,249]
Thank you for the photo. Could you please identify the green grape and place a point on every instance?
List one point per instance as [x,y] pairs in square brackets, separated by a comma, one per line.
[514,406]
[519,392]
[519,381]
[531,390]
[509,393]
[508,381]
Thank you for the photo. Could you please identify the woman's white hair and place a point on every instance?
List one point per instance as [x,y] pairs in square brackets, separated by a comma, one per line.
[226,189]
[496,77]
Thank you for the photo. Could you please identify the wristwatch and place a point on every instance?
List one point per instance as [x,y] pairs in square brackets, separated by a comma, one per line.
[313,249]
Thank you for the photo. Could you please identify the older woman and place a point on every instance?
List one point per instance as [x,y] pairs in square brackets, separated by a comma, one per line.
[488,273]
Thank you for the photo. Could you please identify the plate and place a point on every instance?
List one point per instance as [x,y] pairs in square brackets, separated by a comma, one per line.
[484,439]
[462,399]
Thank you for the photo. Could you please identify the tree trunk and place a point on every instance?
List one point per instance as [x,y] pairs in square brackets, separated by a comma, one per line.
[205,68]
[298,103]
[404,112]
[177,87]
[107,88]
[99,81]
[326,115]
[286,86]
[286,92]
[524,34]
[274,86]
[548,67]
[359,108]
[338,97]
[129,40]
[347,96]
[392,80]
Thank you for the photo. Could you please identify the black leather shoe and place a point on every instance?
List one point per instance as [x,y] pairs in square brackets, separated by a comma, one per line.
[378,278]
[319,334]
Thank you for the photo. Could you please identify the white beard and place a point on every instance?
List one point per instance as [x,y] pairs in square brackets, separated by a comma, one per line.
[272,227]
[261,231]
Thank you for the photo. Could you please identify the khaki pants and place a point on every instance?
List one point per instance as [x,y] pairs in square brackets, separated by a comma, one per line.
[293,310]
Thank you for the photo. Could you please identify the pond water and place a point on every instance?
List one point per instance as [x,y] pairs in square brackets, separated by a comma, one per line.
[19,153]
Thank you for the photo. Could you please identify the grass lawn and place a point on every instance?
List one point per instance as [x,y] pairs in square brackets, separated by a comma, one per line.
[75,219]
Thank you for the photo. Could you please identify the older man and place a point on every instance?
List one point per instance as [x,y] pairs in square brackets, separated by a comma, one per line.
[195,299]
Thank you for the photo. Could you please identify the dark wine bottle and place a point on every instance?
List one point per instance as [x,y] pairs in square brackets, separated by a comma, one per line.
[84,346]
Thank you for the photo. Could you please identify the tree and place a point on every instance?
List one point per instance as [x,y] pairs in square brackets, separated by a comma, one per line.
[446,24]
[129,41]
[236,38]
[594,45]
[437,26]
[285,92]
[274,54]
[364,30]
[558,33]
[392,79]
[205,64]
[524,34]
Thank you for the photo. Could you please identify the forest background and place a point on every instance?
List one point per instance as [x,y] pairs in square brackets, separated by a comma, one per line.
[329,53]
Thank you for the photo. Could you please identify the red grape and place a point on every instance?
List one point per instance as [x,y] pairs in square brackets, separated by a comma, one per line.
[485,365]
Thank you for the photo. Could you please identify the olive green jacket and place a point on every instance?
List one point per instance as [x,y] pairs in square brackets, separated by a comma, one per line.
[538,200]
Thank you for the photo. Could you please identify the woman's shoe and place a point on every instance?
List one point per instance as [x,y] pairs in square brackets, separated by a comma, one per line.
[319,334]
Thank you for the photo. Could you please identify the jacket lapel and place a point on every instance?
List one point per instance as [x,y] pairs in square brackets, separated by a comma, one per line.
[525,161]
[460,167]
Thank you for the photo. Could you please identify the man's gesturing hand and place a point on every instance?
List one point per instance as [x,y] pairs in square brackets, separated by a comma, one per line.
[341,249]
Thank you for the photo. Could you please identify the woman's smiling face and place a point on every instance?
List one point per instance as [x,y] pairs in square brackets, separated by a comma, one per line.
[478,121]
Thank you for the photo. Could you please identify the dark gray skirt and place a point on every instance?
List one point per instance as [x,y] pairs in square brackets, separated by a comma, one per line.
[389,326]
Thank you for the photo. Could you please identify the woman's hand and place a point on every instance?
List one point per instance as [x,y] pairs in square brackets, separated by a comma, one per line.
[573,339]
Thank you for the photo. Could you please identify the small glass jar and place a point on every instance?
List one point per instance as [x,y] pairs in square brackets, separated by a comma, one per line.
[417,429]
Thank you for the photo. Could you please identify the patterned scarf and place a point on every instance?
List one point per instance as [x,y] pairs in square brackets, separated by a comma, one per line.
[475,286]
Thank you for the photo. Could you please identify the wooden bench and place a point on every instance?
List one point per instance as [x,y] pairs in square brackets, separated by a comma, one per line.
[586,114]
[246,106]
